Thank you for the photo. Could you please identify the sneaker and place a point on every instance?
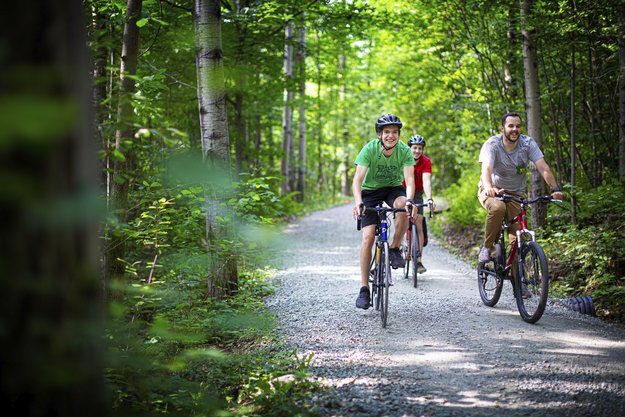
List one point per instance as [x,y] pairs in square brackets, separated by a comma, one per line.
[397,261]
[364,299]
[484,255]
[420,268]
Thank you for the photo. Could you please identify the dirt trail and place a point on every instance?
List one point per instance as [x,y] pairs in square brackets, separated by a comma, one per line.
[443,352]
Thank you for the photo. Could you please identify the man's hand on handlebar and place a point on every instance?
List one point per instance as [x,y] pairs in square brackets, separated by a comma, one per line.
[494,192]
[410,209]
[358,210]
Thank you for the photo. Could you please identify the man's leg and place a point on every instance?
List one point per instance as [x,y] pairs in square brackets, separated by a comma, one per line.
[368,237]
[496,213]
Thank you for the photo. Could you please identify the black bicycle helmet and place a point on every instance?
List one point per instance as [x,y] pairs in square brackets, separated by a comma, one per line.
[416,140]
[387,119]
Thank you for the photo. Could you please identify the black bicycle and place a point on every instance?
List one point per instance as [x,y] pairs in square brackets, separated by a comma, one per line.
[380,270]
[411,247]
[529,276]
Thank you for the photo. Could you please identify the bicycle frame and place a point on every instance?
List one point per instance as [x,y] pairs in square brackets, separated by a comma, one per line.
[520,218]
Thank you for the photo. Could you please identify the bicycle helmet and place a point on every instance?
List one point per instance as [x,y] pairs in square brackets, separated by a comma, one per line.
[416,140]
[387,119]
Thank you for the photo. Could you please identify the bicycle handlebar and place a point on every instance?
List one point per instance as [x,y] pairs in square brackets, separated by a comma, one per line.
[542,198]
[380,209]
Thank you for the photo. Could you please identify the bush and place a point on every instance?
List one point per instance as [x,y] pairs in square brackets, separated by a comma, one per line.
[464,207]
[589,257]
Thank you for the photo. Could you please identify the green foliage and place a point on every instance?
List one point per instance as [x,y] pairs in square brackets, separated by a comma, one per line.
[464,207]
[195,356]
[257,200]
[591,254]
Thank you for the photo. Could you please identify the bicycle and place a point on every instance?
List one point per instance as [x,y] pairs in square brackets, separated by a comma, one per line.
[380,268]
[530,284]
[412,246]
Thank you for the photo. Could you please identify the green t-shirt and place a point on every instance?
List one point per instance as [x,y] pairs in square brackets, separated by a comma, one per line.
[383,171]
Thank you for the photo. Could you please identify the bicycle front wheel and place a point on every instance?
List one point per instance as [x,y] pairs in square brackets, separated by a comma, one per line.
[416,254]
[532,282]
[407,253]
[384,283]
[489,282]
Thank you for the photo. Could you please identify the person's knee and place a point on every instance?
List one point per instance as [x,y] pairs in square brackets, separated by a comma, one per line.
[399,202]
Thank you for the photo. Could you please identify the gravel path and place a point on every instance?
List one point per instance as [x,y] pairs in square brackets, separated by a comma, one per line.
[443,352]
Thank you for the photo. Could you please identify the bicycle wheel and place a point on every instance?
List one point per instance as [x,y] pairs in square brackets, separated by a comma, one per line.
[407,253]
[373,276]
[489,282]
[532,282]
[384,283]
[416,253]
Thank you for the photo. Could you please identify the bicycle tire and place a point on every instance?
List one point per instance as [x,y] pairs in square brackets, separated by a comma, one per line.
[489,283]
[373,275]
[385,280]
[407,254]
[416,252]
[535,278]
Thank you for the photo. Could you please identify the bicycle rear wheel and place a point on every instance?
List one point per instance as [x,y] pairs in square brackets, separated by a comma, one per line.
[384,283]
[532,282]
[489,282]
[416,254]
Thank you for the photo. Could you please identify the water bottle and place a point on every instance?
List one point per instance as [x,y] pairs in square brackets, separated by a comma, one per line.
[383,229]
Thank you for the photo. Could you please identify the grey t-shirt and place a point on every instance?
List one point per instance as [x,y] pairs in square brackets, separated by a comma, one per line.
[509,169]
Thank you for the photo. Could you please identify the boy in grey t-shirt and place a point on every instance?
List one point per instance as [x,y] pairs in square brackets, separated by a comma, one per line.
[504,160]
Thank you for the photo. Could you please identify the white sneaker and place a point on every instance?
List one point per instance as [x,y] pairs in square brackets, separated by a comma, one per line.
[484,255]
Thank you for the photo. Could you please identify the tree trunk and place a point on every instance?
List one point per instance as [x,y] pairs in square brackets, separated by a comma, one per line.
[301,156]
[532,104]
[572,123]
[621,124]
[51,304]
[287,115]
[123,160]
[319,119]
[211,90]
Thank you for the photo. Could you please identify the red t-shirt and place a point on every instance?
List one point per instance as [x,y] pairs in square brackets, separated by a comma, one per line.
[424,164]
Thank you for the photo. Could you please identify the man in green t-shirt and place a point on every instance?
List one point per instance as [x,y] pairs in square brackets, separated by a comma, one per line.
[381,166]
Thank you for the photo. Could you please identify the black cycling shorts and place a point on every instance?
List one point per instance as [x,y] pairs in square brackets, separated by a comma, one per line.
[372,198]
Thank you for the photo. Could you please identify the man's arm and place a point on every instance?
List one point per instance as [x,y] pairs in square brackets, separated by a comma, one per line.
[427,185]
[409,178]
[549,178]
[359,177]
[487,182]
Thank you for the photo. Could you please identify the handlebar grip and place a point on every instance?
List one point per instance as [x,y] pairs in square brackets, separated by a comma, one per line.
[359,223]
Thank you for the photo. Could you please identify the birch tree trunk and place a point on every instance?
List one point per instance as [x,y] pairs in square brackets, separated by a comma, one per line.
[301,156]
[211,90]
[532,105]
[51,306]
[287,115]
[123,157]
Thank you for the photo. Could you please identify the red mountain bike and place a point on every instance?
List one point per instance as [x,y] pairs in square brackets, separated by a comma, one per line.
[529,274]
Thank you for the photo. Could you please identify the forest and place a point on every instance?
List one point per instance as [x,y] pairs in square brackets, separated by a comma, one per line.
[152,150]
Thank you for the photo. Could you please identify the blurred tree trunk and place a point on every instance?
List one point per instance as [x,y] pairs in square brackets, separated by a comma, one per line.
[532,104]
[301,155]
[123,154]
[287,115]
[211,91]
[51,360]
[621,123]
